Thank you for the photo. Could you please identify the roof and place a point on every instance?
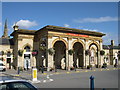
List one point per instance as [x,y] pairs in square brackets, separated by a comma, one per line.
[6,41]
[23,31]
[6,80]
[72,30]
[110,47]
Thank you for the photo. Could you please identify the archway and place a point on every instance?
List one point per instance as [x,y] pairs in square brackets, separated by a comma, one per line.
[93,57]
[27,57]
[60,55]
[78,55]
[9,60]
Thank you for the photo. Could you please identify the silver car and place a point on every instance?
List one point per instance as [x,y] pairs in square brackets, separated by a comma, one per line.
[2,67]
[16,85]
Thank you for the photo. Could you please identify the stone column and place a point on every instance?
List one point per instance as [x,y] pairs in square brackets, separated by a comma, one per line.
[50,57]
[33,63]
[100,62]
[84,58]
[70,57]
[67,60]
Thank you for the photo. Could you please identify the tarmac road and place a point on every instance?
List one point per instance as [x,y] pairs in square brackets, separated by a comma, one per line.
[103,79]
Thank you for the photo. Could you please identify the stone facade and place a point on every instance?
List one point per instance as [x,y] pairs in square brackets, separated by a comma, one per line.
[56,48]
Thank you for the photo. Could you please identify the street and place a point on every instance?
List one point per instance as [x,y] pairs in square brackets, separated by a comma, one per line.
[103,78]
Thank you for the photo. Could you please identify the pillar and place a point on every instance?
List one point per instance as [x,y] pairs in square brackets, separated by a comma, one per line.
[70,57]
[50,57]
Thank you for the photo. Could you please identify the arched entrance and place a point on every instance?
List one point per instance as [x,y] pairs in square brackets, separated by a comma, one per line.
[27,57]
[9,60]
[93,57]
[78,55]
[60,55]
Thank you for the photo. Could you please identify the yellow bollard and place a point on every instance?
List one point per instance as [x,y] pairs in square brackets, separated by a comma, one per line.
[34,74]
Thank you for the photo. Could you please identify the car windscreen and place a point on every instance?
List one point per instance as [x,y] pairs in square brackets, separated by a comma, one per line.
[17,86]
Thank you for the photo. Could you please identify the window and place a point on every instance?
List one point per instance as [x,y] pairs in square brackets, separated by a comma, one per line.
[8,54]
[27,48]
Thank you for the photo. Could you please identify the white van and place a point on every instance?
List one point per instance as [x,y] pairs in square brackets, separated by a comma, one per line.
[2,66]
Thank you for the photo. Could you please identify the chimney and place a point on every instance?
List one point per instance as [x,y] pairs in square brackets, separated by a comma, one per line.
[15,27]
[112,42]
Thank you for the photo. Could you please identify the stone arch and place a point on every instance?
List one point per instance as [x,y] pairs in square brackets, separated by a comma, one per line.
[27,45]
[93,59]
[60,39]
[80,41]
[60,55]
[78,55]
[95,43]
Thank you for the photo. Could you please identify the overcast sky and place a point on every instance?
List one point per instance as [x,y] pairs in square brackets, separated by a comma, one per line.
[93,16]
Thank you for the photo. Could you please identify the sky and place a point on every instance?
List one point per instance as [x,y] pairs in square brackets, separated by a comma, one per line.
[93,16]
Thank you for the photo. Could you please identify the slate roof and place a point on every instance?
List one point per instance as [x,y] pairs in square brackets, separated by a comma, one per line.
[23,31]
[72,30]
[6,41]
[111,47]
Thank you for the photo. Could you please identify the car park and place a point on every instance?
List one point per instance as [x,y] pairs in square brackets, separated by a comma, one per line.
[16,85]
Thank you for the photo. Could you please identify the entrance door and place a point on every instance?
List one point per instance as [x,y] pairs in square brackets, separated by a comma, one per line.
[27,61]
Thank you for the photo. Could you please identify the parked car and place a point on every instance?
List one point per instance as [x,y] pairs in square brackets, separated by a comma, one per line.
[16,85]
[2,67]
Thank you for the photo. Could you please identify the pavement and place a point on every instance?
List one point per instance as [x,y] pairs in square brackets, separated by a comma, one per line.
[45,77]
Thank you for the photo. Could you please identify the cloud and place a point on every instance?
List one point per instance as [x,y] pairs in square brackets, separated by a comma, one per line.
[66,25]
[96,20]
[0,24]
[110,36]
[91,29]
[26,23]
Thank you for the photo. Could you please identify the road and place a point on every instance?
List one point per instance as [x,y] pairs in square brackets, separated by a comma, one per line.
[106,78]
[103,79]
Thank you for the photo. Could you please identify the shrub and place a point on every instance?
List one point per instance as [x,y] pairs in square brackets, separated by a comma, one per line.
[51,51]
[89,66]
[72,68]
[2,52]
[34,52]
[102,52]
[104,65]
[42,48]
[87,52]
[20,52]
[70,52]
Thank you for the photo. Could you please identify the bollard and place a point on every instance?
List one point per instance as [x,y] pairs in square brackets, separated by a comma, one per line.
[91,83]
[55,69]
[34,74]
[18,70]
[42,69]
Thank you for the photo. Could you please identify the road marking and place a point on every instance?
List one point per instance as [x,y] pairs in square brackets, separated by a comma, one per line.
[68,72]
[44,73]
[17,75]
[94,70]
[77,71]
[57,73]
[51,79]
[44,81]
[86,71]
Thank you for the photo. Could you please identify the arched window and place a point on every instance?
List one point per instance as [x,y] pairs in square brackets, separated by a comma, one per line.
[27,48]
[8,54]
